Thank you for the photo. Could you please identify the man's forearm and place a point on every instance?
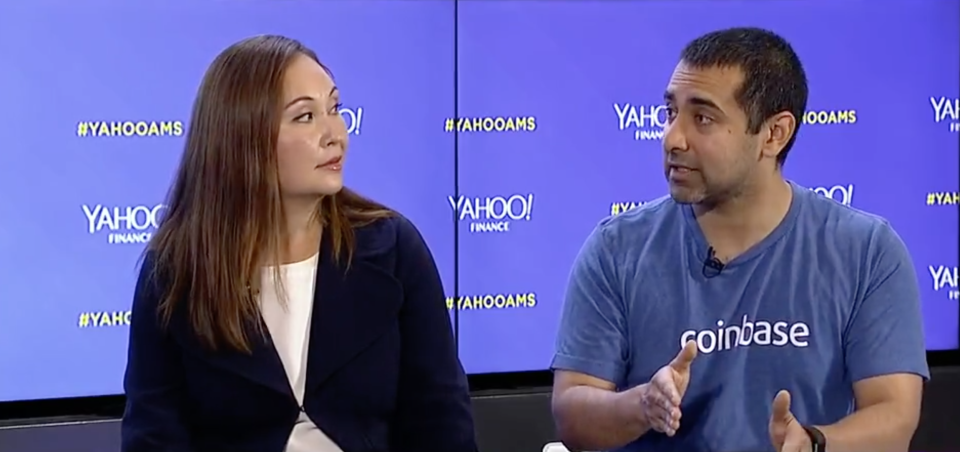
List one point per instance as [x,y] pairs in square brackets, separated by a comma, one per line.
[884,427]
[594,419]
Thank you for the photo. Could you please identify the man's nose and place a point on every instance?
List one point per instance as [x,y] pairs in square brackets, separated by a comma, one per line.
[674,138]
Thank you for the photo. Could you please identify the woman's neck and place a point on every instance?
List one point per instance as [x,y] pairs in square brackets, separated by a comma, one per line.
[300,239]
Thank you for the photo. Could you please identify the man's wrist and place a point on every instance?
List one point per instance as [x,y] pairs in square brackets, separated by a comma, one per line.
[631,410]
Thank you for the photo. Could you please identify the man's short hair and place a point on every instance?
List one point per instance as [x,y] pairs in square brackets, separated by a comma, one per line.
[774,79]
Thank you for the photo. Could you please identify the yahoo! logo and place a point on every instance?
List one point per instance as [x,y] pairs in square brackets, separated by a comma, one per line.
[353,118]
[839,193]
[493,213]
[124,225]
[646,121]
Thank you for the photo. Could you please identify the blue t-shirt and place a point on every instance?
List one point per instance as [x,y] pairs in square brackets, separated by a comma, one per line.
[827,299]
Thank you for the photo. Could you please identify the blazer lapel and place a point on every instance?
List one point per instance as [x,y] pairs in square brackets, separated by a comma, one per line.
[352,309]
[261,366]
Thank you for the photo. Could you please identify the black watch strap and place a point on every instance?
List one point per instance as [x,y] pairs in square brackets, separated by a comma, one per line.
[817,439]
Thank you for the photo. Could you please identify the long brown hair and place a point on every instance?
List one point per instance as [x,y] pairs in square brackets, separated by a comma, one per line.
[224,211]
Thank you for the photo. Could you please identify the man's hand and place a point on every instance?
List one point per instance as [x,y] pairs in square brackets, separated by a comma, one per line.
[661,398]
[786,433]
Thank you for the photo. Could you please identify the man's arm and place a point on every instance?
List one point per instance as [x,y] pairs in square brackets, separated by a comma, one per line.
[888,410]
[885,355]
[591,415]
[591,357]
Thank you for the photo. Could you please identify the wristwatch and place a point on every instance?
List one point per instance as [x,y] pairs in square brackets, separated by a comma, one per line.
[817,440]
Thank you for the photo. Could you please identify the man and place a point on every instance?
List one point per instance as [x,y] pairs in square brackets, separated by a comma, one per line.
[743,312]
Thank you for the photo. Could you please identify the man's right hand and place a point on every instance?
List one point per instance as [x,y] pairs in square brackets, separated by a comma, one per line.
[661,397]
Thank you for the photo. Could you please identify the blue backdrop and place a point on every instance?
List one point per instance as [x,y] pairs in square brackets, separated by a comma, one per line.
[559,126]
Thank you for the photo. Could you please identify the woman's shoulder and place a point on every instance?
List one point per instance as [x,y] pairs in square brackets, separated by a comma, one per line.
[394,234]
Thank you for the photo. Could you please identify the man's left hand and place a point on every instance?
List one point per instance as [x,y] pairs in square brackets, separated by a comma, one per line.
[786,433]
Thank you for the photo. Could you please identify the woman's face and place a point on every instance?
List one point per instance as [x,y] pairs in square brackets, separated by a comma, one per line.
[313,137]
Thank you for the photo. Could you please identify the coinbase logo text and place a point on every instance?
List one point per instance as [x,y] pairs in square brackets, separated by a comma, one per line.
[839,193]
[646,121]
[777,333]
[131,224]
[493,213]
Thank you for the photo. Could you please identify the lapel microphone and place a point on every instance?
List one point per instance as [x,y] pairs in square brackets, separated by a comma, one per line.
[712,266]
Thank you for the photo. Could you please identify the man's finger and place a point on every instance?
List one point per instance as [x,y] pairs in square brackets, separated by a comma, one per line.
[659,422]
[655,412]
[794,442]
[781,407]
[669,393]
[663,421]
[681,363]
[660,397]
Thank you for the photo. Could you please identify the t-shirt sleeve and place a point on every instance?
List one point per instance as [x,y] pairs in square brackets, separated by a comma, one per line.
[592,338]
[885,333]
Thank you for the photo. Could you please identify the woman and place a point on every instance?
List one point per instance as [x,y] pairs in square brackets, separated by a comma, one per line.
[245,337]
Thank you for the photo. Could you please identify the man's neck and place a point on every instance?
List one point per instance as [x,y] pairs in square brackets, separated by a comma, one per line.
[736,225]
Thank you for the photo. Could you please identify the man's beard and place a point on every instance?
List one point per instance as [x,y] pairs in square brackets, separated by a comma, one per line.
[709,193]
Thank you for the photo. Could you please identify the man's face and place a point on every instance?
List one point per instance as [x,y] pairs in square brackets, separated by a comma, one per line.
[709,156]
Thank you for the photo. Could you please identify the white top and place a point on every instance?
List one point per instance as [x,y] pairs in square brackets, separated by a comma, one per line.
[288,320]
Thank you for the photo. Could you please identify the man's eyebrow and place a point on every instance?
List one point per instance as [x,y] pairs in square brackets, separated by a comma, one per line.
[671,98]
[704,102]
